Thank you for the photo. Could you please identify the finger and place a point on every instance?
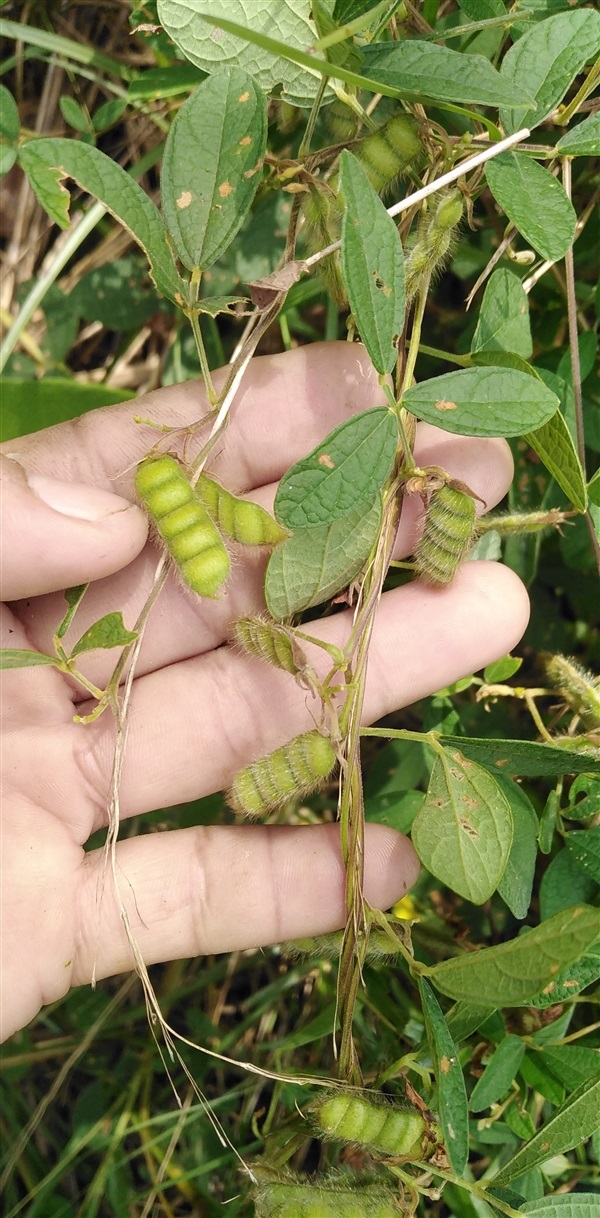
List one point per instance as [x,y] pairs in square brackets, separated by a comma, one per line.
[194,724]
[285,405]
[56,534]
[216,889]
[485,465]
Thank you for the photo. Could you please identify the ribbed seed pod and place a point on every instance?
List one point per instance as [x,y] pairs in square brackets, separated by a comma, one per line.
[448,535]
[270,642]
[371,1121]
[580,689]
[240,519]
[434,240]
[341,121]
[182,521]
[510,524]
[384,155]
[294,1196]
[296,769]
[328,947]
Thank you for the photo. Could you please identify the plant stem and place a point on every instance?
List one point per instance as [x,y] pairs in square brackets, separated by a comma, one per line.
[482,1194]
[575,364]
[312,119]
[194,321]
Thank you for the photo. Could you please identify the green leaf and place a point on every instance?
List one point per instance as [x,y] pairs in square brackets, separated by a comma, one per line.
[564,882]
[589,805]
[516,884]
[571,980]
[107,632]
[571,1064]
[513,973]
[47,161]
[576,1205]
[213,305]
[426,70]
[535,201]
[204,46]
[524,757]
[73,597]
[582,140]
[155,83]
[501,670]
[314,564]
[535,1075]
[548,57]
[465,1017]
[570,1125]
[74,114]
[119,294]
[464,829]
[584,845]
[349,466]
[9,116]
[8,156]
[498,1074]
[483,402]
[553,443]
[212,165]
[18,657]
[109,113]
[372,265]
[503,322]
[31,405]
[452,1097]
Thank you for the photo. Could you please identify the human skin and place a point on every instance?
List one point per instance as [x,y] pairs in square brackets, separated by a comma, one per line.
[200,708]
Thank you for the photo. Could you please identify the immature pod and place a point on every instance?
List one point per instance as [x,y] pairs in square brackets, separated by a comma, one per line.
[240,519]
[270,642]
[371,1121]
[435,240]
[448,535]
[328,947]
[580,689]
[296,769]
[289,1195]
[511,524]
[341,121]
[192,540]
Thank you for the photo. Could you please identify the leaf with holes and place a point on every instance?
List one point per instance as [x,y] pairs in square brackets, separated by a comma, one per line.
[212,165]
[345,470]
[464,829]
[483,402]
[372,265]
[314,564]
[535,201]
[514,972]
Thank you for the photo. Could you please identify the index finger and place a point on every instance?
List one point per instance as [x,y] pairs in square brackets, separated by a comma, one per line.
[285,405]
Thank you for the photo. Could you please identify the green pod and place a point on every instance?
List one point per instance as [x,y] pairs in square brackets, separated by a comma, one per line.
[510,524]
[295,769]
[580,689]
[371,1121]
[341,121]
[328,947]
[294,1196]
[193,542]
[240,519]
[448,535]
[435,240]
[270,642]
[386,153]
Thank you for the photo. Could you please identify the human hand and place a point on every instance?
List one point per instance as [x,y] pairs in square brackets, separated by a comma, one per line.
[200,708]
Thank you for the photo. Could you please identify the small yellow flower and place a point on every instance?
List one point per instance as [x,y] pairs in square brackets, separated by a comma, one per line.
[406,910]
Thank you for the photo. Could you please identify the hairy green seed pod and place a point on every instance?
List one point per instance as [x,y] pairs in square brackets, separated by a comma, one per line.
[448,535]
[240,519]
[341,121]
[192,540]
[370,1120]
[580,689]
[270,642]
[289,1195]
[296,769]
[384,155]
[328,947]
[434,241]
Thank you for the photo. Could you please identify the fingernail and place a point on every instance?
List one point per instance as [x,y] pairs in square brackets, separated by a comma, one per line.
[77,499]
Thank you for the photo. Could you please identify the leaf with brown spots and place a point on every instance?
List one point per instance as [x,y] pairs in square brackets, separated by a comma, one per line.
[211,165]
[452,1101]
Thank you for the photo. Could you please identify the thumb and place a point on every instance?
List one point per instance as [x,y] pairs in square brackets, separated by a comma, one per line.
[58,534]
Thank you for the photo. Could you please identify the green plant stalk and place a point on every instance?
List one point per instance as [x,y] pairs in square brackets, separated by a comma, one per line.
[587,87]
[475,1189]
[353,27]
[312,119]
[192,315]
[56,44]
